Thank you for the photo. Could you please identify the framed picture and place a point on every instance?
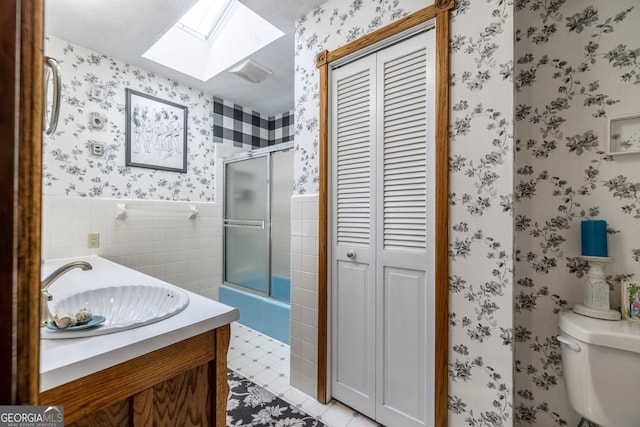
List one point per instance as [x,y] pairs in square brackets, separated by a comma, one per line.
[623,134]
[630,299]
[156,133]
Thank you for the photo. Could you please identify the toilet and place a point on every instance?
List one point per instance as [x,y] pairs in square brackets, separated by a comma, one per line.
[601,364]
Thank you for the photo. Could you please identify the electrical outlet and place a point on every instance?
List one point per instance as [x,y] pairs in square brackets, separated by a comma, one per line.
[93,240]
[97,149]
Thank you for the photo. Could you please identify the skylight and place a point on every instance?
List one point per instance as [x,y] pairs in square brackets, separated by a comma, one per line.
[213,36]
[205,17]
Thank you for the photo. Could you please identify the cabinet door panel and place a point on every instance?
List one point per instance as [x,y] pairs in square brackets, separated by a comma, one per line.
[116,415]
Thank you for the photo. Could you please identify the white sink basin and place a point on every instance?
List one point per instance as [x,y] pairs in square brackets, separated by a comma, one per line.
[124,307]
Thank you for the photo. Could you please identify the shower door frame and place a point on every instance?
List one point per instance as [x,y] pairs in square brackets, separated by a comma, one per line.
[235,158]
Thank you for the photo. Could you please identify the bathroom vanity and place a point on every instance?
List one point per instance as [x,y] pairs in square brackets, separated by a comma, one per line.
[169,373]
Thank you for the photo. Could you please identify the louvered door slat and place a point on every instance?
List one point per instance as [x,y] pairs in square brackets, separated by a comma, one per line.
[352,132]
[353,136]
[406,153]
[396,134]
[401,144]
[399,76]
[408,61]
[406,112]
[356,173]
[404,159]
[353,184]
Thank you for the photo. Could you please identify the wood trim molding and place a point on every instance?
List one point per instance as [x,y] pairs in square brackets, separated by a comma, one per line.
[9,130]
[323,200]
[440,12]
[29,172]
[218,368]
[397,27]
[321,58]
[442,5]
[441,356]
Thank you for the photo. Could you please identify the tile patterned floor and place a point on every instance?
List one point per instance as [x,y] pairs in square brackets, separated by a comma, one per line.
[265,361]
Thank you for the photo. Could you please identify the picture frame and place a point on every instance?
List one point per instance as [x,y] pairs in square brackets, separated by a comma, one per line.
[630,302]
[623,134]
[156,133]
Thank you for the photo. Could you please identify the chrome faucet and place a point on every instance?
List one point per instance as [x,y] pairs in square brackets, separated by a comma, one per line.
[45,314]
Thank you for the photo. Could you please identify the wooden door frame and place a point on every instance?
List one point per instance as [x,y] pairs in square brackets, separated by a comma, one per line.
[439,11]
[8,118]
[21,153]
[30,200]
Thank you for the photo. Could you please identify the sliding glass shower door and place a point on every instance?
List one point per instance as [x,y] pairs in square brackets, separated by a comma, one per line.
[257,224]
[246,223]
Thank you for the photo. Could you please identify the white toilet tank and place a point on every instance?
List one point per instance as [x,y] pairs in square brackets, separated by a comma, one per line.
[601,364]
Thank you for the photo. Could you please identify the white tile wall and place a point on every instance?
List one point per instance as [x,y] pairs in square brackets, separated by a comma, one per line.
[186,252]
[304,293]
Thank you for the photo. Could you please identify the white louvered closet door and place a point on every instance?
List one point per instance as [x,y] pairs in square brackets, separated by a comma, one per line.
[353,212]
[383,297]
[405,275]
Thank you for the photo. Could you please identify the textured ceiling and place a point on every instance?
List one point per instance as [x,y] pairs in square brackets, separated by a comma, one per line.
[125,29]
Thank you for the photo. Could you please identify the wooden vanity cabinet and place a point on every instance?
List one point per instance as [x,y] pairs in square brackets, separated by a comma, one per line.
[183,384]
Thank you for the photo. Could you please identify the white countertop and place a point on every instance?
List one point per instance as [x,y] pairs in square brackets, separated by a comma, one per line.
[65,360]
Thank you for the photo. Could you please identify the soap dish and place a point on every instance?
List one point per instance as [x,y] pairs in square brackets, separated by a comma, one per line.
[94,321]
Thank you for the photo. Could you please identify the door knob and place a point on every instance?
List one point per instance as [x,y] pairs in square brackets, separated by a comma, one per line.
[351,254]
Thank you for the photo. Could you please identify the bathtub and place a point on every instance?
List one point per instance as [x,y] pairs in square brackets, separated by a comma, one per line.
[266,315]
[280,287]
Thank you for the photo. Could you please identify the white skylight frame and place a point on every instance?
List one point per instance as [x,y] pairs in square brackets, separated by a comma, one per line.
[205,17]
[236,36]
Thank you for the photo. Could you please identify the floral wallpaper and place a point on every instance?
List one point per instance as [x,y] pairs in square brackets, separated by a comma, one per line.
[481,204]
[333,24]
[527,163]
[70,169]
[481,201]
[576,64]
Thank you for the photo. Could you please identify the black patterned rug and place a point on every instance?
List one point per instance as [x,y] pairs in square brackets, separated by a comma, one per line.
[250,405]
